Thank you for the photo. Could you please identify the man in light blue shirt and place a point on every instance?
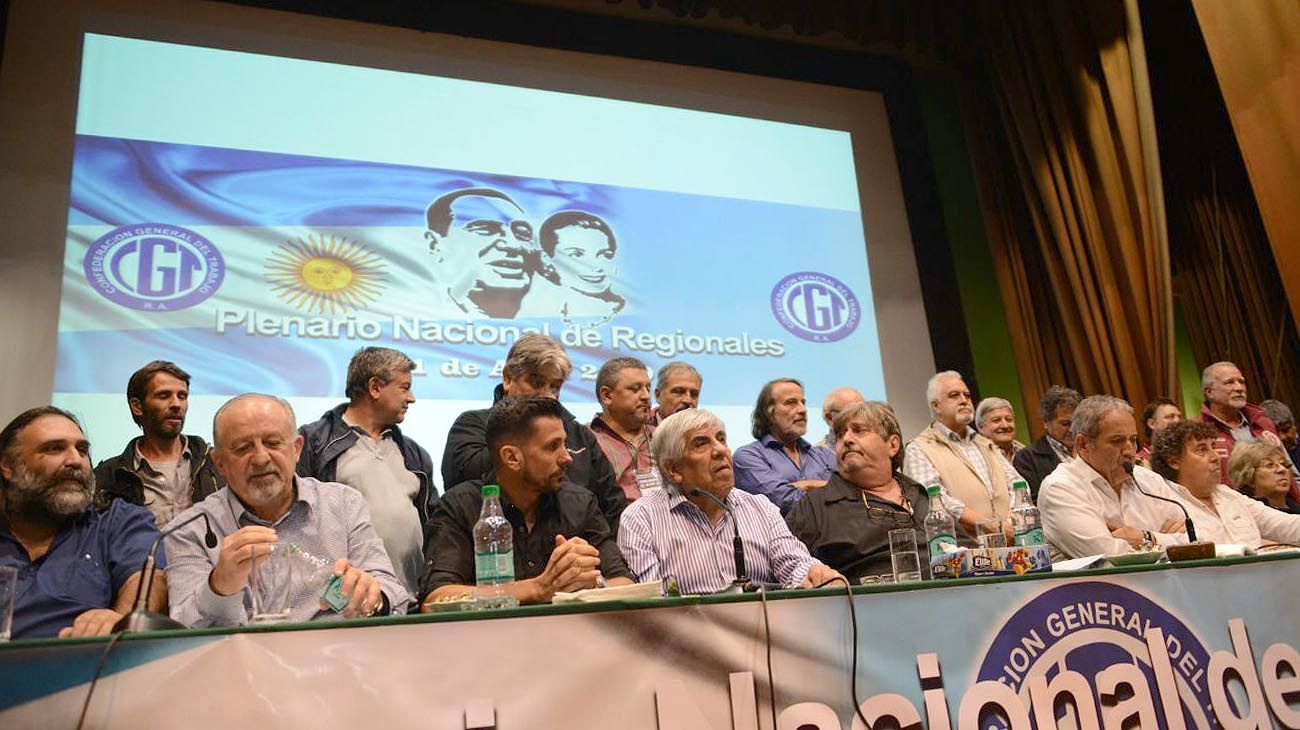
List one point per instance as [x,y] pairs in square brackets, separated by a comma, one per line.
[684,533]
[255,447]
[781,465]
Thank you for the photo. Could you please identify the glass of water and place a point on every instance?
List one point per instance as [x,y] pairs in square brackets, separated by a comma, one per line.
[989,533]
[904,556]
[8,589]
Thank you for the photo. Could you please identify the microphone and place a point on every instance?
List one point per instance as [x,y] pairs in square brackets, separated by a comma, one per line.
[1187,517]
[141,619]
[741,583]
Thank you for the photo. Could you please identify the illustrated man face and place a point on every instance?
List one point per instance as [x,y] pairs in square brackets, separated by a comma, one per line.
[47,471]
[482,242]
[166,401]
[1228,387]
[256,450]
[954,408]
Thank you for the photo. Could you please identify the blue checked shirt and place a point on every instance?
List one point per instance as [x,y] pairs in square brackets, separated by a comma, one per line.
[664,535]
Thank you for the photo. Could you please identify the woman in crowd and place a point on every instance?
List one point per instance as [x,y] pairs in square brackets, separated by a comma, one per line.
[1259,469]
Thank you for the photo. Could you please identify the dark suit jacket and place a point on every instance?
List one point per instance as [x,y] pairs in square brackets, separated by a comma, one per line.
[1035,462]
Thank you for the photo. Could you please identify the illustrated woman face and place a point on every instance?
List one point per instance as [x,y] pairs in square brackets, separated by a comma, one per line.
[584,259]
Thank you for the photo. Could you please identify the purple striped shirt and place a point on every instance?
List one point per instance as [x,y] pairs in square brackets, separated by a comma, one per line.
[664,535]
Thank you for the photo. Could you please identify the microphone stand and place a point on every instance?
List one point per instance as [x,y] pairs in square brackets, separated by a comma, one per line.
[1195,549]
[742,582]
[140,618]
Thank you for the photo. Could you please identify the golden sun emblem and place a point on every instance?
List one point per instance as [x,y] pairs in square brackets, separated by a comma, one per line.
[325,274]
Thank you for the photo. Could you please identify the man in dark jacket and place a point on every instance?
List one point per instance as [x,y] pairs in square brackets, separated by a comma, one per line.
[1037,460]
[536,365]
[357,443]
[162,469]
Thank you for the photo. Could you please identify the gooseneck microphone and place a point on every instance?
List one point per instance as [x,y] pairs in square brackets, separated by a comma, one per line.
[742,580]
[1187,517]
[140,618]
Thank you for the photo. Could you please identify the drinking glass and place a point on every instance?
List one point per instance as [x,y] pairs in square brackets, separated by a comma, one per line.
[8,589]
[903,554]
[271,583]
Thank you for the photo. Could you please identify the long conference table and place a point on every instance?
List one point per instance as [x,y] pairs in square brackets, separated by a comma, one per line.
[1204,645]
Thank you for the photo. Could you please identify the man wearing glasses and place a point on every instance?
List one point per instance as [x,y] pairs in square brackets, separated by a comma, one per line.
[847,524]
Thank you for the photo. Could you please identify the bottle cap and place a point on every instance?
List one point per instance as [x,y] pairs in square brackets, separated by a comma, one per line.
[491,490]
[934,489]
[1019,484]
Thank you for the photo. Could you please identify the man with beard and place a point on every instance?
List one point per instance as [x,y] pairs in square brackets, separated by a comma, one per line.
[561,540]
[622,427]
[255,447]
[163,470]
[781,465]
[1235,420]
[78,568]
[975,477]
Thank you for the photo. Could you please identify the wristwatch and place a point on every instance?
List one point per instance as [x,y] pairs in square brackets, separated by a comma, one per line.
[1148,538]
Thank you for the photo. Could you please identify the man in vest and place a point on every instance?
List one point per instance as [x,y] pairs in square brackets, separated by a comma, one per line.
[975,476]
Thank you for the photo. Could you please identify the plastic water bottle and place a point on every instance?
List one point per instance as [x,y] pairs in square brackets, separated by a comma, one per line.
[939,531]
[494,555]
[1024,515]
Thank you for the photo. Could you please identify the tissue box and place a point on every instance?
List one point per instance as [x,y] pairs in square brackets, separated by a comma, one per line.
[979,562]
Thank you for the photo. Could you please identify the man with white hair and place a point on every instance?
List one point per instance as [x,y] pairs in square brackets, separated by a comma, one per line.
[975,477]
[685,531]
[1236,420]
[995,420]
[264,504]
[834,402]
[1100,502]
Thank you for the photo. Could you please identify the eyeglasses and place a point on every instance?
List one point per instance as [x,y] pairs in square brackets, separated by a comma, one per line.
[895,517]
[1271,464]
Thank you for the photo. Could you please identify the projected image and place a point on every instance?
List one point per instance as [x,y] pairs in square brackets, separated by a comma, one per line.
[259,254]
[489,261]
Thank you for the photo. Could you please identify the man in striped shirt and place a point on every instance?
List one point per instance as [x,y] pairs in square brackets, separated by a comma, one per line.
[684,533]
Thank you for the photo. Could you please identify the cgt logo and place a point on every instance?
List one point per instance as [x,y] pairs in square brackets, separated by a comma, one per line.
[815,307]
[154,267]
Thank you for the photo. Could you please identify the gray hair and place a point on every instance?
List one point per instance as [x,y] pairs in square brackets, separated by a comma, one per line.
[375,362]
[609,372]
[879,418]
[534,352]
[991,403]
[932,393]
[216,417]
[1090,411]
[1055,397]
[1245,459]
[669,440]
[661,378]
[1278,412]
[1207,375]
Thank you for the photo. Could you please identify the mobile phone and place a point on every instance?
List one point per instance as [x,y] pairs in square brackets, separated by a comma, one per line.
[333,595]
